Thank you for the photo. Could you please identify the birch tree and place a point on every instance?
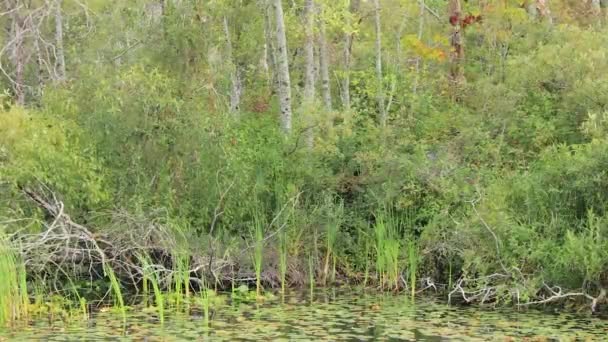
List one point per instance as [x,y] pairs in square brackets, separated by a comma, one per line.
[270,53]
[346,52]
[309,69]
[59,50]
[539,9]
[235,80]
[324,63]
[379,76]
[309,57]
[284,83]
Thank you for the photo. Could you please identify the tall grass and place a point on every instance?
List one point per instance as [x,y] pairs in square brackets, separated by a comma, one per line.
[412,260]
[388,245]
[283,251]
[205,301]
[311,275]
[14,300]
[333,227]
[364,236]
[150,276]
[181,278]
[258,249]
[119,301]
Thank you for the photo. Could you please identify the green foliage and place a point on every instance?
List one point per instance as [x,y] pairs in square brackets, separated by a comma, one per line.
[504,175]
[35,150]
[14,300]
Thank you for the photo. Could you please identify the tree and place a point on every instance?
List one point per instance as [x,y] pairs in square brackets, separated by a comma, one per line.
[324,62]
[379,76]
[309,56]
[309,68]
[61,73]
[284,83]
[16,49]
[456,75]
[347,52]
[235,79]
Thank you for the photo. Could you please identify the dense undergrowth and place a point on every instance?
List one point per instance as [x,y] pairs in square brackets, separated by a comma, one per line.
[131,180]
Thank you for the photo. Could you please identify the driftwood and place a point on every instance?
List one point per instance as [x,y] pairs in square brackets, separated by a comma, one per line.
[68,249]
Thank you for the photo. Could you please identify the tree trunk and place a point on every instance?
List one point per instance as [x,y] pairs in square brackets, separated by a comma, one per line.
[379,77]
[324,66]
[270,51]
[19,63]
[543,10]
[39,66]
[309,55]
[284,88]
[309,68]
[348,44]
[596,8]
[457,44]
[61,73]
[539,8]
[16,51]
[235,81]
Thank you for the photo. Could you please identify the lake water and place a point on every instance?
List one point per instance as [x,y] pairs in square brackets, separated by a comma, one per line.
[329,316]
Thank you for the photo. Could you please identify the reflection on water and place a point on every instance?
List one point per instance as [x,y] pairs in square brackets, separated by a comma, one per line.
[332,316]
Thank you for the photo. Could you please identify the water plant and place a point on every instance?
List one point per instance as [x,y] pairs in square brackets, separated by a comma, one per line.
[412,260]
[119,302]
[181,278]
[14,301]
[258,249]
[334,221]
[311,275]
[151,276]
[205,301]
[388,244]
[283,251]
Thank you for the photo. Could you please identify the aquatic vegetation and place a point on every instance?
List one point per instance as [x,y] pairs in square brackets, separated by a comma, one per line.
[333,227]
[258,250]
[283,253]
[151,276]
[181,278]
[14,300]
[345,315]
[311,274]
[205,302]
[412,261]
[116,290]
[388,246]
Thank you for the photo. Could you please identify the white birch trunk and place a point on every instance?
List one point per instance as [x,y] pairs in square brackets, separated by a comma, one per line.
[324,66]
[309,73]
[596,7]
[309,55]
[16,51]
[59,50]
[284,84]
[235,82]
[346,54]
[379,76]
[270,51]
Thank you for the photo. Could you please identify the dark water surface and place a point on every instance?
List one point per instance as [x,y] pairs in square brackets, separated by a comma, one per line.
[330,317]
